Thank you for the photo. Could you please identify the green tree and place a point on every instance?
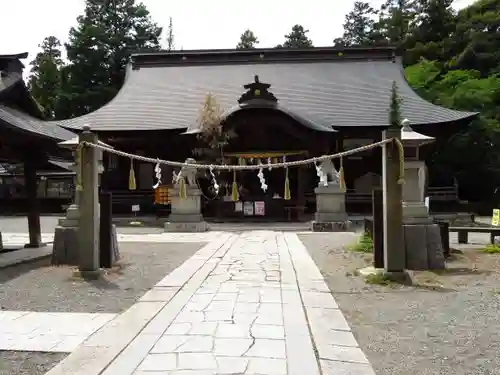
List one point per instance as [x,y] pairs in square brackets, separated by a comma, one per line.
[45,75]
[358,26]
[477,38]
[248,40]
[170,36]
[396,21]
[433,32]
[297,38]
[99,48]
[473,154]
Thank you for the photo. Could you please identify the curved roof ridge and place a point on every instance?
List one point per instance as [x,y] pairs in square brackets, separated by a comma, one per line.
[332,93]
[69,123]
[303,120]
[461,114]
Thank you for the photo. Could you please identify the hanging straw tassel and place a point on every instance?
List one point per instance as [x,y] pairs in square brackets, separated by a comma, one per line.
[131,177]
[287,196]
[401,152]
[182,188]
[234,191]
[342,176]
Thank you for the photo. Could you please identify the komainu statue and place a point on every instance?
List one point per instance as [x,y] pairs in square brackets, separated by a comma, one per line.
[188,173]
[327,173]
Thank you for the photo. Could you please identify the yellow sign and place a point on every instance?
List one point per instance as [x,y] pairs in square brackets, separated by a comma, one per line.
[495,218]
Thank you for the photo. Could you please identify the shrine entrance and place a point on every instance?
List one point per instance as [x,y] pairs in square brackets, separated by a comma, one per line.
[266,133]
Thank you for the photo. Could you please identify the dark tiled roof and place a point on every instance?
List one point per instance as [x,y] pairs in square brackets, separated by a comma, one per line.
[166,91]
[31,124]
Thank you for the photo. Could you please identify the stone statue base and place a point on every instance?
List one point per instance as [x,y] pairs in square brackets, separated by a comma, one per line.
[65,248]
[423,247]
[415,213]
[331,215]
[186,215]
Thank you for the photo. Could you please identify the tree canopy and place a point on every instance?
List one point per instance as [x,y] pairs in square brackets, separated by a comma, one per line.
[297,38]
[452,59]
[248,40]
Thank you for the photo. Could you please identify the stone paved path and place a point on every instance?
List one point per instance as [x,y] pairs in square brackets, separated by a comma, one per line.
[253,303]
[47,332]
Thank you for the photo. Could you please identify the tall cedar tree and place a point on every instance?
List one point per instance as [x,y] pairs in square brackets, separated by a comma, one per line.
[297,38]
[170,36]
[98,52]
[45,78]
[248,40]
[359,26]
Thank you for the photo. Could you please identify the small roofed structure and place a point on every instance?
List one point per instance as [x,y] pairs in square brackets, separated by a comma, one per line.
[27,139]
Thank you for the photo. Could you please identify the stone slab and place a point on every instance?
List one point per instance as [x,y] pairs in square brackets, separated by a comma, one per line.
[192,226]
[47,332]
[333,226]
[23,255]
[247,303]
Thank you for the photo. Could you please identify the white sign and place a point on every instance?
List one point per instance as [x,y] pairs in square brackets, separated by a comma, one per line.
[136,208]
[238,207]
[248,208]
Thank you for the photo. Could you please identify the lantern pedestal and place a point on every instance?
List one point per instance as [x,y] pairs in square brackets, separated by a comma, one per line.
[186,212]
[422,237]
[331,215]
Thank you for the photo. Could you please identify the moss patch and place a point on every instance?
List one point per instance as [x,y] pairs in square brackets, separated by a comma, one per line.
[492,249]
[364,245]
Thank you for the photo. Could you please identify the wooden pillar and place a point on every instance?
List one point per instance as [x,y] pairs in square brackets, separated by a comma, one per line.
[31,184]
[394,250]
[88,231]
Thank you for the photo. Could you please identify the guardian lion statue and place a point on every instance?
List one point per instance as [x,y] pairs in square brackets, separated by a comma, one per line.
[328,175]
[186,172]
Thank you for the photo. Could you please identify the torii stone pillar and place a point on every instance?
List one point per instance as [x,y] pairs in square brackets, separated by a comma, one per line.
[423,245]
[88,231]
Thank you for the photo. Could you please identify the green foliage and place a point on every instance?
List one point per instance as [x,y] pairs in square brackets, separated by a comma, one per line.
[98,52]
[359,26]
[395,107]
[45,78]
[492,249]
[248,40]
[297,38]
[453,60]
[364,245]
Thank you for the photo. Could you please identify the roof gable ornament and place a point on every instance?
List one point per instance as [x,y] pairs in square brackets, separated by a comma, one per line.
[257,90]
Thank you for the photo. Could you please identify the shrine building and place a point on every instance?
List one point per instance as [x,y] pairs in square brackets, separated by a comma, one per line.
[278,104]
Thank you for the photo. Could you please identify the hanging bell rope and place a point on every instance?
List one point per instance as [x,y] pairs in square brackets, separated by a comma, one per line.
[131,177]
[234,191]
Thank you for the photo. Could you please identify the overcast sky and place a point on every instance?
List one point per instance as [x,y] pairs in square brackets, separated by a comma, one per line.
[198,24]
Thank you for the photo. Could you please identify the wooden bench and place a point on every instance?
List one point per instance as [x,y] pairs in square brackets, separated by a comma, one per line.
[443,193]
[463,233]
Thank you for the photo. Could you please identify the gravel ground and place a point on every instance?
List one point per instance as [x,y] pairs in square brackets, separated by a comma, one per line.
[40,287]
[449,325]
[28,363]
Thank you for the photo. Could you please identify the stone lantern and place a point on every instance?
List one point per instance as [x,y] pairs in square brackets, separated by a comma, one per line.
[414,208]
[65,248]
[422,238]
